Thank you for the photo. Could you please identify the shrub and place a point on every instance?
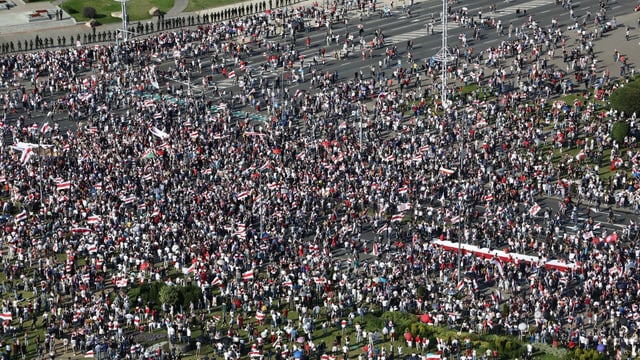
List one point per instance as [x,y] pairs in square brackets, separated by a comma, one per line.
[374,321]
[189,294]
[421,329]
[150,293]
[619,131]
[586,354]
[88,12]
[169,295]
[401,321]
[625,99]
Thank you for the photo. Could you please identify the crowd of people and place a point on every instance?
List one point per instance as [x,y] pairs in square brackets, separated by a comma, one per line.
[329,206]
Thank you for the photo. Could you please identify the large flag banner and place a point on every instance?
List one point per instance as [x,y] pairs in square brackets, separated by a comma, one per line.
[534,210]
[159,133]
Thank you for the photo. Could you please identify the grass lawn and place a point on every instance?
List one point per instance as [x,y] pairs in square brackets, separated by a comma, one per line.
[136,9]
[196,5]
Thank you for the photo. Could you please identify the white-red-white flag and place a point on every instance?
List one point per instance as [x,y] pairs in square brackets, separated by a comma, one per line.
[21,216]
[445,171]
[45,128]
[247,275]
[93,220]
[533,211]
[63,185]
[27,153]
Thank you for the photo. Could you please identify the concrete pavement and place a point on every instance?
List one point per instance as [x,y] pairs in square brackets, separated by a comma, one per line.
[178,8]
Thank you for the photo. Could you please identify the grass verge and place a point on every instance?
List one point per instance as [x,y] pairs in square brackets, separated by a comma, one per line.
[136,9]
[197,5]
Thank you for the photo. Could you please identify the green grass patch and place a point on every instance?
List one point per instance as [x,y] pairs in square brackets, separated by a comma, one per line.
[197,5]
[468,89]
[136,9]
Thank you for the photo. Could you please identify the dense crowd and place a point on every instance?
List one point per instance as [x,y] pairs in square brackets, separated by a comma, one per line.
[159,183]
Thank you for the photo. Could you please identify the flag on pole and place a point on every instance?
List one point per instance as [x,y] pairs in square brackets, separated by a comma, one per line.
[384,228]
[22,216]
[247,275]
[148,154]
[456,219]
[159,133]
[27,153]
[189,270]
[45,128]
[6,316]
[243,195]
[80,230]
[93,220]
[63,185]
[534,209]
[397,218]
[445,171]
[374,250]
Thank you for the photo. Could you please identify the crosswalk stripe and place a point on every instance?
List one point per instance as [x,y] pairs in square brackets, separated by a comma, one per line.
[509,10]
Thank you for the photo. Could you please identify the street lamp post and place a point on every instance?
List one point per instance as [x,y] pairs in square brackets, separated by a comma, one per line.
[125,19]
[444,56]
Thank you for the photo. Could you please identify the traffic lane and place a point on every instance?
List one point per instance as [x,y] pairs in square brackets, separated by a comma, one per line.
[430,42]
[426,45]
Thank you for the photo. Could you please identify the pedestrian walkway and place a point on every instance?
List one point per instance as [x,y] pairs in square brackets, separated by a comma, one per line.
[179,6]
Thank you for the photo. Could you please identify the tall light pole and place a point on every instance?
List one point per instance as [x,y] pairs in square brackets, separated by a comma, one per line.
[443,56]
[125,19]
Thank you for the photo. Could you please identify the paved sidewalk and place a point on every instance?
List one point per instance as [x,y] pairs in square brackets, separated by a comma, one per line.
[178,8]
[605,47]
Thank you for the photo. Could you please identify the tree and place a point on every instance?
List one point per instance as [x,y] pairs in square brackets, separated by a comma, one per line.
[89,12]
[625,99]
[190,294]
[619,131]
[169,295]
